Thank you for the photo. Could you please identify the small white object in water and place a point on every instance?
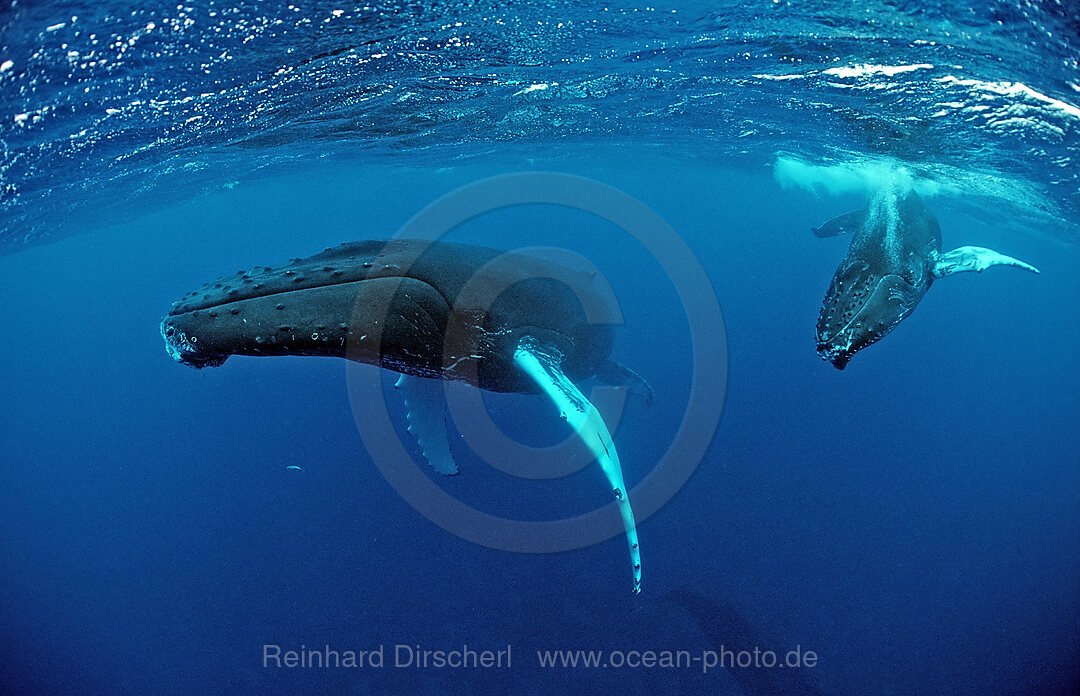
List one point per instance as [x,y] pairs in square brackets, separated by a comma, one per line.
[294,467]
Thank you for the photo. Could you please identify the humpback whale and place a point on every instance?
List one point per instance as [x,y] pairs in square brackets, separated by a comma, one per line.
[503,322]
[894,257]
[729,634]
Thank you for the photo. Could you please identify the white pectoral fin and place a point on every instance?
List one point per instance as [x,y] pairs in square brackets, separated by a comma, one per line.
[973,258]
[543,365]
[426,413]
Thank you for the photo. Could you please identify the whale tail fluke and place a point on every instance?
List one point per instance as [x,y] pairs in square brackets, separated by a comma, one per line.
[976,259]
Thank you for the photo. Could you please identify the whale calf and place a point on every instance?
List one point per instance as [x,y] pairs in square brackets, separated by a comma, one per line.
[503,322]
[894,258]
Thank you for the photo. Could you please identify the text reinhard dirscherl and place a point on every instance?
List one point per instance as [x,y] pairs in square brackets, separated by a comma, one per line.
[414,656]
[400,656]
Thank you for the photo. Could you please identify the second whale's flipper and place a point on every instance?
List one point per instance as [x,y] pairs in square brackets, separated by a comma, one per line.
[973,258]
[426,412]
[543,365]
[841,224]
[619,375]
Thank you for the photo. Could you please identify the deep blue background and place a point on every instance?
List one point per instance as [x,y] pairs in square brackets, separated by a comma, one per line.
[914,519]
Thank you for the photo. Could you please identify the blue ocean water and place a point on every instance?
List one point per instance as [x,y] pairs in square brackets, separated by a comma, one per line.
[912,520]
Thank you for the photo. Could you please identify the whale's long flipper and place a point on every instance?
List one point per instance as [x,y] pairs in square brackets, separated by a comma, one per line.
[543,365]
[973,258]
[426,413]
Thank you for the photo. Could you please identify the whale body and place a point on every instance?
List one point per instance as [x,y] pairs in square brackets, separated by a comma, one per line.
[892,261]
[501,321]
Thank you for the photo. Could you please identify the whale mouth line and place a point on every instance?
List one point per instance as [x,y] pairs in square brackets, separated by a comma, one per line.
[184,346]
[177,310]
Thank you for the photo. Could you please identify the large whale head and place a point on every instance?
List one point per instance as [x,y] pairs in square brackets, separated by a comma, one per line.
[883,276]
[861,308]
